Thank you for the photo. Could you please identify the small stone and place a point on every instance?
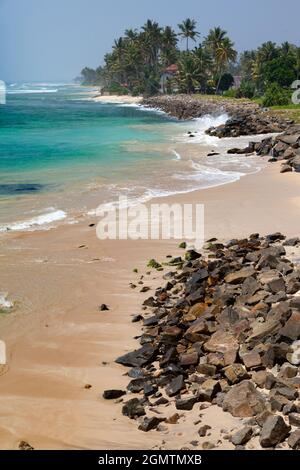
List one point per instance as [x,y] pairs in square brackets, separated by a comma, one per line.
[103,308]
[242,436]
[236,373]
[288,371]
[239,276]
[203,430]
[113,394]
[150,389]
[291,329]
[150,423]
[88,386]
[251,360]
[133,408]
[294,419]
[294,440]
[175,386]
[190,359]
[274,431]
[262,417]
[137,318]
[208,446]
[23,445]
[259,378]
[209,390]
[186,404]
[207,369]
[161,401]
[173,419]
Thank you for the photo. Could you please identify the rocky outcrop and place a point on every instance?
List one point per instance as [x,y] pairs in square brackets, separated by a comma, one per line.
[189,106]
[284,147]
[224,331]
[249,123]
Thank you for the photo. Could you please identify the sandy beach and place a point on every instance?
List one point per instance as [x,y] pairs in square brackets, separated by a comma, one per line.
[58,341]
[118,99]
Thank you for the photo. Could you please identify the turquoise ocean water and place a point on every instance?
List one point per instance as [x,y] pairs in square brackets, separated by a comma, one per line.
[62,154]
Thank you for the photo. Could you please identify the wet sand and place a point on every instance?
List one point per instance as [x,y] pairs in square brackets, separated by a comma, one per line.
[58,341]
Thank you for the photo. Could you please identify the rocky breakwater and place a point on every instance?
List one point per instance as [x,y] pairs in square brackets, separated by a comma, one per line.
[249,123]
[222,331]
[284,147]
[189,106]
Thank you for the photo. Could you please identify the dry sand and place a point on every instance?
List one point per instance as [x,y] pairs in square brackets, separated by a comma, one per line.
[118,99]
[57,340]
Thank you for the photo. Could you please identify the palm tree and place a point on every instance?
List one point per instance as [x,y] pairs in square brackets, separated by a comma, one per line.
[225,54]
[131,34]
[214,39]
[268,51]
[169,42]
[188,73]
[205,64]
[152,38]
[188,31]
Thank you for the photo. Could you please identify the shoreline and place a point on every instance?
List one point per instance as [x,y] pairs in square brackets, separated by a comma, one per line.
[116,99]
[57,340]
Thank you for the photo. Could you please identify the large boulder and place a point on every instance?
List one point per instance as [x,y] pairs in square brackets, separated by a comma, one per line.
[274,431]
[243,400]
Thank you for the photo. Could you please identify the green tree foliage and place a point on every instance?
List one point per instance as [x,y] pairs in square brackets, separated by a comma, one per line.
[276,96]
[139,58]
[188,31]
[226,82]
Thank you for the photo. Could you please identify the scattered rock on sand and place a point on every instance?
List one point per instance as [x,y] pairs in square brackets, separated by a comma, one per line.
[113,394]
[274,431]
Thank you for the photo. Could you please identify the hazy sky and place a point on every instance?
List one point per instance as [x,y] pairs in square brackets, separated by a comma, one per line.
[55,39]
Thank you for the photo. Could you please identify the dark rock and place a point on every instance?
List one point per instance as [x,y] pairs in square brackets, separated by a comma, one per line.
[274,431]
[161,401]
[151,321]
[207,369]
[294,419]
[286,168]
[138,358]
[23,445]
[136,373]
[113,394]
[239,276]
[192,255]
[294,440]
[292,242]
[133,408]
[242,436]
[203,430]
[186,404]
[150,423]
[103,308]
[150,389]
[175,386]
[137,318]
[190,359]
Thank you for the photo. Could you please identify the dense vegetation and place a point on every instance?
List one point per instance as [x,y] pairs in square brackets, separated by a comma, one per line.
[140,57]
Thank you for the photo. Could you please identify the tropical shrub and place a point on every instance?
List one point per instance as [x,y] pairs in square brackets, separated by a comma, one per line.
[276,96]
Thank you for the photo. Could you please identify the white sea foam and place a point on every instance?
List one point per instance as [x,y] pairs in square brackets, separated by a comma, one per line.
[177,155]
[4,303]
[36,222]
[29,92]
